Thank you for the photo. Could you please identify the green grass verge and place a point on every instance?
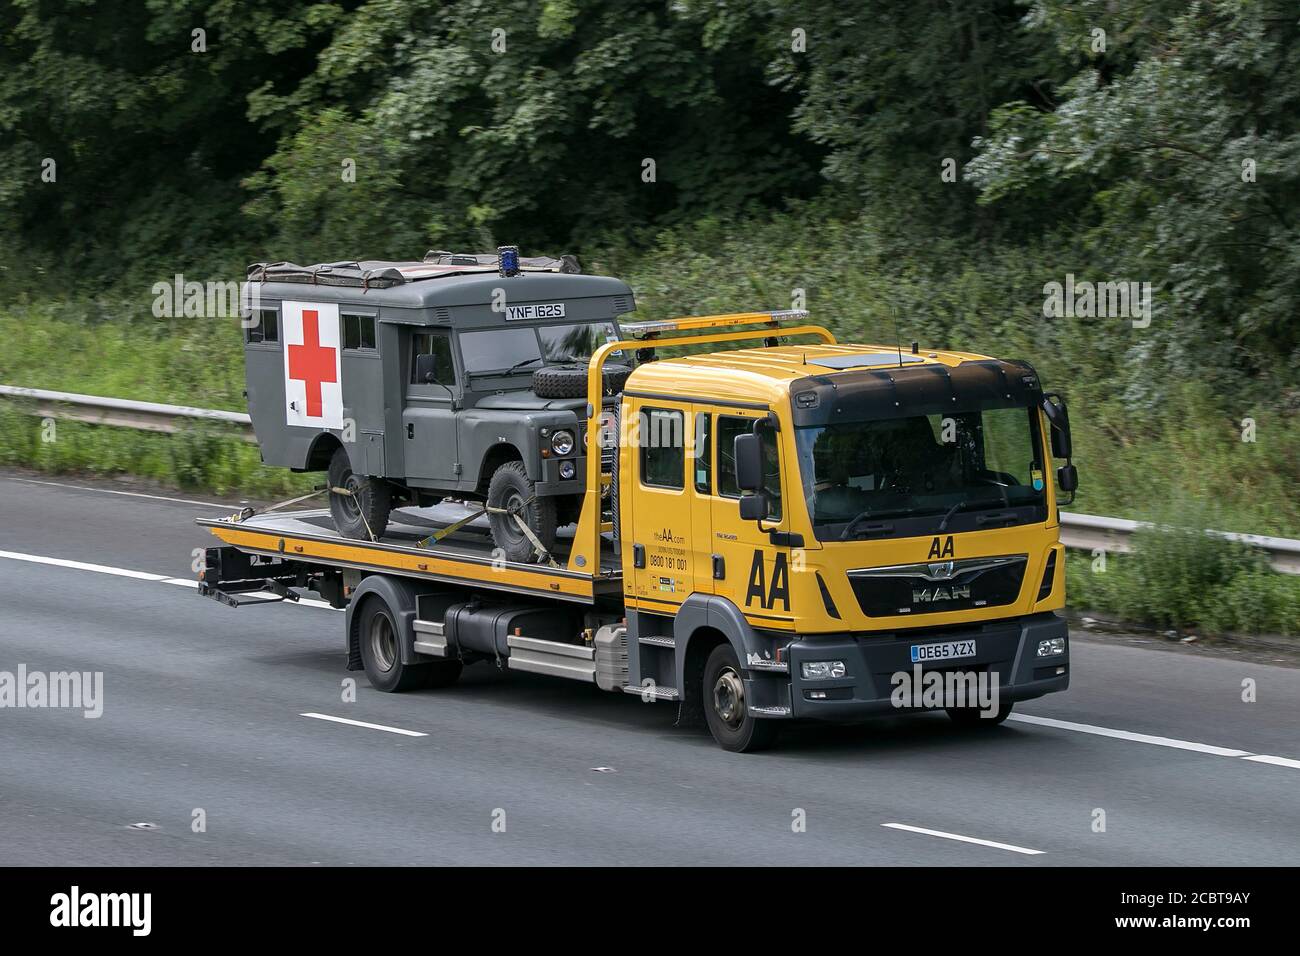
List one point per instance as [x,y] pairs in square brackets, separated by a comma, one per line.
[1179,577]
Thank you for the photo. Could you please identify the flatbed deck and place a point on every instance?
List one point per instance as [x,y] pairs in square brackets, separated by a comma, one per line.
[463,557]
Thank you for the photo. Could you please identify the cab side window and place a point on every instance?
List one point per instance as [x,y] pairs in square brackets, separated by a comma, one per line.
[729,426]
[437,344]
[663,450]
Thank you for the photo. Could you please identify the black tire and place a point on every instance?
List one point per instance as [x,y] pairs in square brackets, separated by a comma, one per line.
[381,656]
[729,720]
[973,717]
[510,488]
[570,381]
[367,507]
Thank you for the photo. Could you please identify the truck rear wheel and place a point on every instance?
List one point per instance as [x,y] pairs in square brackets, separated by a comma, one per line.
[366,506]
[725,708]
[381,651]
[512,491]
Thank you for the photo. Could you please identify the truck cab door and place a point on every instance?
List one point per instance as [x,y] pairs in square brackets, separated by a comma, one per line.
[428,439]
[749,569]
[659,541]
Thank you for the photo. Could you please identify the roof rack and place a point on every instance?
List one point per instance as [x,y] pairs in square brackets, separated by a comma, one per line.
[374,274]
[567,264]
[650,330]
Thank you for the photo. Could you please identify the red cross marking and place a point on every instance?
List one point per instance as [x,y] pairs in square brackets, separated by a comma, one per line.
[311,362]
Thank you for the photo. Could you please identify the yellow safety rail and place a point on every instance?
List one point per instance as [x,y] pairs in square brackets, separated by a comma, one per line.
[644,330]
[585,556]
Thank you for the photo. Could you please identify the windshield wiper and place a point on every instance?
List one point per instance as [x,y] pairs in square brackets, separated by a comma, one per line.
[521,364]
[963,505]
[870,513]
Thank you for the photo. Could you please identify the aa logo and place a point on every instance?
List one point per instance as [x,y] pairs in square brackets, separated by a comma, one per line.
[940,549]
[777,590]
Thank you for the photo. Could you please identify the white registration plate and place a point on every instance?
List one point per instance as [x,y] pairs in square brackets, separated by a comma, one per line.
[948,651]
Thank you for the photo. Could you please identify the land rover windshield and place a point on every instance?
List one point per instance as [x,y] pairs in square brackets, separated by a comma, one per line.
[526,348]
[971,462]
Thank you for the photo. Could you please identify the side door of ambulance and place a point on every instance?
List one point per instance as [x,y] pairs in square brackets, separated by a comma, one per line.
[748,568]
[662,571]
[429,437]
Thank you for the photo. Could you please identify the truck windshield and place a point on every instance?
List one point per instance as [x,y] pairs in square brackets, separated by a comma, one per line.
[526,348]
[923,474]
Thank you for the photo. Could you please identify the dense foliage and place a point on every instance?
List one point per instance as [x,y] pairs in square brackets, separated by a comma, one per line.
[918,165]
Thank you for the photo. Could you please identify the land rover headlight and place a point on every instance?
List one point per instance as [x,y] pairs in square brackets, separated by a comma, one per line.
[822,670]
[562,442]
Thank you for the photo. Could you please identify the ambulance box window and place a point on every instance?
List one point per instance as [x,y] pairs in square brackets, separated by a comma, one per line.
[266,329]
[358,331]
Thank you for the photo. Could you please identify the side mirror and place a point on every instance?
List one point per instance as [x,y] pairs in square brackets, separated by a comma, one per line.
[753,507]
[1058,417]
[1067,476]
[425,368]
[749,463]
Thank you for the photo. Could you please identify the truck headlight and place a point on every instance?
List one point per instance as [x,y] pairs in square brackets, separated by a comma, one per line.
[822,670]
[1051,647]
[568,469]
[562,442]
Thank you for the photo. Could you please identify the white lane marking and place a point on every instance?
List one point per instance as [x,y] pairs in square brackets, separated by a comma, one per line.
[111,491]
[83,566]
[1129,735]
[1276,761]
[964,839]
[362,723]
[143,576]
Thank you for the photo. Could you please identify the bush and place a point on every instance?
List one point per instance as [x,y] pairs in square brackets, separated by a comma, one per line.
[1179,577]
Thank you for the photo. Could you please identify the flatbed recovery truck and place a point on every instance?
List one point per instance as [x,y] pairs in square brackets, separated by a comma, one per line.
[772,532]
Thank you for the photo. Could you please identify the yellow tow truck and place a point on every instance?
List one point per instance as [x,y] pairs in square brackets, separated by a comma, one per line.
[774,526]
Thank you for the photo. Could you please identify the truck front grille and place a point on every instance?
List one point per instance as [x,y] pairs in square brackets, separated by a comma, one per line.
[937,586]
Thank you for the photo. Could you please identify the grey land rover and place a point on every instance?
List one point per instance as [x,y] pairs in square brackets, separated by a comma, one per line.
[408,382]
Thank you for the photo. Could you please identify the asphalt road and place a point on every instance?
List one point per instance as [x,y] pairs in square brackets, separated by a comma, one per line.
[202,710]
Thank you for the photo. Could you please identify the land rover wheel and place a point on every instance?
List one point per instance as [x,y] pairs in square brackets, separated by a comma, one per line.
[511,493]
[381,653]
[361,505]
[725,707]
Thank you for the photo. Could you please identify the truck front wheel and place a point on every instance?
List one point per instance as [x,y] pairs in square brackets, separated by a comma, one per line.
[511,492]
[725,707]
[973,717]
[362,505]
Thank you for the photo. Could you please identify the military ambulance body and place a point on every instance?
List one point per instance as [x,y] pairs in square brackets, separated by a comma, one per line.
[778,532]
[411,381]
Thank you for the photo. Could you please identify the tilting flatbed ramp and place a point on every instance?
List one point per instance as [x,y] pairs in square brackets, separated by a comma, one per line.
[463,557]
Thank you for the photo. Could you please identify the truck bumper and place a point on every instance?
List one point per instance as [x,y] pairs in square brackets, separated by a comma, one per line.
[1005,650]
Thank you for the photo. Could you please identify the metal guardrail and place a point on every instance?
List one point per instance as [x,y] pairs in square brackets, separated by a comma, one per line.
[121,412]
[1078,531]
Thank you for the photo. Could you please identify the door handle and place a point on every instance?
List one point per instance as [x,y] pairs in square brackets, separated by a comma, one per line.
[719,567]
[638,555]
[410,430]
